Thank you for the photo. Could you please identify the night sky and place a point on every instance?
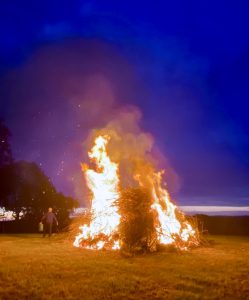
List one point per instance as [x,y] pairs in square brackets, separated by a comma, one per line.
[65,66]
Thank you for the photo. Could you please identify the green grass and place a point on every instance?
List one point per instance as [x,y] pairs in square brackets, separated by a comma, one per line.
[35,268]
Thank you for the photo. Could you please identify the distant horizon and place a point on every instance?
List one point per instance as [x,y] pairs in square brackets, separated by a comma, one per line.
[216,210]
[7,215]
[205,209]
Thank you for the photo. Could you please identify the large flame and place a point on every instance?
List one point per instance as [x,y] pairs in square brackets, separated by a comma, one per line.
[171,228]
[103,184]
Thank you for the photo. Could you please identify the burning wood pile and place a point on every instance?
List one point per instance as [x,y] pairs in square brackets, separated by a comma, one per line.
[134,216]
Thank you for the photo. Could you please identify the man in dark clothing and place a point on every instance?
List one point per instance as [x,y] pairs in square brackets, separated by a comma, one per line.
[47,221]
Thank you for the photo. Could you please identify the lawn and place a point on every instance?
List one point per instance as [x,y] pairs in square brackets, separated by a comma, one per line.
[35,268]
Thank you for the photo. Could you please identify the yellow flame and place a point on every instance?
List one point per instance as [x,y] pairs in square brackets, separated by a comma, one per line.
[169,228]
[104,185]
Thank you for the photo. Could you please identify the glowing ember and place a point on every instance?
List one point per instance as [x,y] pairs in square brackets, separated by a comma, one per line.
[102,232]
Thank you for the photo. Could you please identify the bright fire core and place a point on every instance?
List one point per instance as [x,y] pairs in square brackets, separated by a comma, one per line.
[103,182]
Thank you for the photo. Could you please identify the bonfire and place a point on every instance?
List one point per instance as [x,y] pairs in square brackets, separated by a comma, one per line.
[137,217]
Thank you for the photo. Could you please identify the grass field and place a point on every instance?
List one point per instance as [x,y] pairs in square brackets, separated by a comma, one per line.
[35,268]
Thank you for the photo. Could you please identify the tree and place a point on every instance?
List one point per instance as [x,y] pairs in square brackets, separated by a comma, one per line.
[5,150]
[25,188]
[63,205]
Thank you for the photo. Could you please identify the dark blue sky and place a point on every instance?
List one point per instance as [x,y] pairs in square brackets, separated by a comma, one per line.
[183,63]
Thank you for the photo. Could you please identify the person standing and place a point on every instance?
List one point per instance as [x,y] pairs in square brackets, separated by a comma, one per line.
[48,219]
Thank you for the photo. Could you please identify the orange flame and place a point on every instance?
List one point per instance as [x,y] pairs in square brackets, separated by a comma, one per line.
[104,184]
[169,227]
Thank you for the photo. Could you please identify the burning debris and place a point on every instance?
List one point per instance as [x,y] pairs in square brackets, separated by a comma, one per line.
[132,216]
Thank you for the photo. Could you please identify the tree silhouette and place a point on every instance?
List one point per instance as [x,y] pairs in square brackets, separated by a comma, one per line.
[5,150]
[25,188]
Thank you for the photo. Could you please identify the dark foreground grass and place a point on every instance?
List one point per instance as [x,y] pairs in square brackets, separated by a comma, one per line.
[35,268]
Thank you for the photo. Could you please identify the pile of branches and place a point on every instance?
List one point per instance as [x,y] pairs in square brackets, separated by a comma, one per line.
[136,230]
